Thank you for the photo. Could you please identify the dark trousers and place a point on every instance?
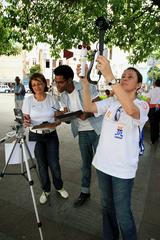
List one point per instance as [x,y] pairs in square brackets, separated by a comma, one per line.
[116,207]
[47,156]
[154,119]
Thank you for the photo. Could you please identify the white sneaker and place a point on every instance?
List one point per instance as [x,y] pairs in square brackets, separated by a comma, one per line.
[44,197]
[63,193]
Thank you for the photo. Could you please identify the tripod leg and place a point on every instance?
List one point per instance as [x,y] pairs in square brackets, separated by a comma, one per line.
[3,171]
[22,162]
[29,153]
[31,187]
[30,157]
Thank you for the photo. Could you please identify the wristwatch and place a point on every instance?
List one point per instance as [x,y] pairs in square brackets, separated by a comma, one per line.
[112,82]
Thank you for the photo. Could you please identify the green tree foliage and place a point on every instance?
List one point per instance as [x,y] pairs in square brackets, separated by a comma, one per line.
[7,44]
[135,24]
[154,73]
[35,69]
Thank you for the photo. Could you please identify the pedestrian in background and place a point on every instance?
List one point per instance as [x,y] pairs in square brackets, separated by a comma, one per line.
[19,91]
[38,108]
[116,158]
[153,98]
[86,126]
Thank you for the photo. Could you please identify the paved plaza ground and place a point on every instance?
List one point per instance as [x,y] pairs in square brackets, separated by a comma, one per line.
[60,220]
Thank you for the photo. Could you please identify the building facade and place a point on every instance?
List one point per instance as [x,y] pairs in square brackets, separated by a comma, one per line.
[20,65]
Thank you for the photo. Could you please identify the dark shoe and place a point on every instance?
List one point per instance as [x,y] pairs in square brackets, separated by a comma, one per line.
[154,141]
[81,199]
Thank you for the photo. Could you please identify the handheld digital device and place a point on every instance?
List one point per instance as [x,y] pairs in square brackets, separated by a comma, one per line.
[83,60]
[18,115]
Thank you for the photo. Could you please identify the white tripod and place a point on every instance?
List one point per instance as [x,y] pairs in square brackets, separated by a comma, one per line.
[26,155]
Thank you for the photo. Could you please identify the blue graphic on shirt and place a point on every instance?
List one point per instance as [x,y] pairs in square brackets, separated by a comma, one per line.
[119,133]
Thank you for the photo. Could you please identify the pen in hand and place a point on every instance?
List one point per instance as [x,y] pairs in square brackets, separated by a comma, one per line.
[57,113]
[56,109]
[64,111]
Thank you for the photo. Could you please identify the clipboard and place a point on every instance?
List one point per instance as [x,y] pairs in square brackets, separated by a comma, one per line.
[67,117]
[45,126]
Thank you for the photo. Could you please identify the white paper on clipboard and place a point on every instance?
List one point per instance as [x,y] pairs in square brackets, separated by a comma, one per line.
[16,157]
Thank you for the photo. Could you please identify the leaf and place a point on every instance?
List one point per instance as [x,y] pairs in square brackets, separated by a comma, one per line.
[67,23]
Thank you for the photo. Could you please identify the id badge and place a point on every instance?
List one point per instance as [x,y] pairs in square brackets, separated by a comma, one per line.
[119,132]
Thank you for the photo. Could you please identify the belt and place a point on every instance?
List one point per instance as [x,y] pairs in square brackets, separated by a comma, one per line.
[154,105]
[39,131]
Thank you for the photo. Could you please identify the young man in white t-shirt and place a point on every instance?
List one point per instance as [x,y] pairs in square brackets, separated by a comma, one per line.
[86,127]
[117,154]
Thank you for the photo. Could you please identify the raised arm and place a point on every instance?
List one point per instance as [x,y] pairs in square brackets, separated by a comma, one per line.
[125,97]
[88,104]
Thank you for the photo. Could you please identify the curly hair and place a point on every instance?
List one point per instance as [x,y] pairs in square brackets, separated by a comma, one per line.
[65,71]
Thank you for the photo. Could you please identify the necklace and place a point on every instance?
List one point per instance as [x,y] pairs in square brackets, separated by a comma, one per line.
[40,97]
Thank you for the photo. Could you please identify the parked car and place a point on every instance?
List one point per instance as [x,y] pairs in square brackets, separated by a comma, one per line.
[4,89]
[12,89]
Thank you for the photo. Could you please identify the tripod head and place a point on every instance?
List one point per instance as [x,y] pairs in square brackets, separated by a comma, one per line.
[17,130]
[19,116]
[19,119]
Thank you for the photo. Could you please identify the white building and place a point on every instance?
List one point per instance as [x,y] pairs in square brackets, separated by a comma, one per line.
[19,65]
[10,67]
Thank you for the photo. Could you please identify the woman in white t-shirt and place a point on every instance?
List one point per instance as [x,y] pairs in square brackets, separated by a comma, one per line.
[117,154]
[37,109]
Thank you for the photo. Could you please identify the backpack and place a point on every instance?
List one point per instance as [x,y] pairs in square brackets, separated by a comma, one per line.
[141,142]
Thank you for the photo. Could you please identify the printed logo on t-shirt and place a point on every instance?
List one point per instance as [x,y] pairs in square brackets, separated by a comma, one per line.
[119,132]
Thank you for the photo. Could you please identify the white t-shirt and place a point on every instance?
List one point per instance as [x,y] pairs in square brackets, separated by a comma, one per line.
[75,105]
[40,111]
[118,149]
[154,95]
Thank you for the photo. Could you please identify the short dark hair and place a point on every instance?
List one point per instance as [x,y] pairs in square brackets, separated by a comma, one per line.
[37,77]
[139,75]
[65,71]
[17,79]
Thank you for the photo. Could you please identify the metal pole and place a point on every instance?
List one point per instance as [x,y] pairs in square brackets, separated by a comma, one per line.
[24,148]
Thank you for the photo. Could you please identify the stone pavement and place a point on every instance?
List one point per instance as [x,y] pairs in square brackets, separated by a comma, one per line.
[150,222]
[60,220]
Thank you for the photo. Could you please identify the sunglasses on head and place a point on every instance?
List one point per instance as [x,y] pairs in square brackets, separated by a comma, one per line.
[118,114]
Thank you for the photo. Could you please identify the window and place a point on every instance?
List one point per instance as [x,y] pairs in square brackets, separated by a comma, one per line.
[60,62]
[47,63]
[34,61]
[110,53]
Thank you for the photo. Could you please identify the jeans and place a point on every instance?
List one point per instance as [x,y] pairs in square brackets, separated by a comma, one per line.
[88,141]
[116,207]
[47,156]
